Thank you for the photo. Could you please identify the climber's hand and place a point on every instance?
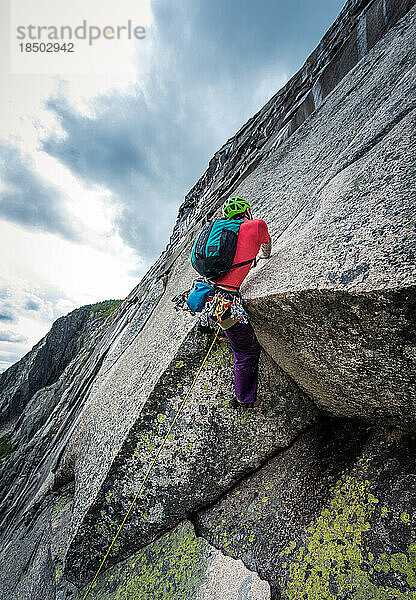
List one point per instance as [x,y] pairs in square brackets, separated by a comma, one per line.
[262,254]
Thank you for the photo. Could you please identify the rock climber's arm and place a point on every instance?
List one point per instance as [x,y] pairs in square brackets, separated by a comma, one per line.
[266,245]
[266,249]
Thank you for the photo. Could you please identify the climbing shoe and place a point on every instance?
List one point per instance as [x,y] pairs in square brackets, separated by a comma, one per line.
[236,404]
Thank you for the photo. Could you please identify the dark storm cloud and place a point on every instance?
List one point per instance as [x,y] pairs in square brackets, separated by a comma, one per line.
[6,314]
[212,65]
[8,310]
[136,154]
[236,39]
[32,305]
[9,336]
[27,199]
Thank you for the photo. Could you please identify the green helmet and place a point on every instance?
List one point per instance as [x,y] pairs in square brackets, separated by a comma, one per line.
[234,206]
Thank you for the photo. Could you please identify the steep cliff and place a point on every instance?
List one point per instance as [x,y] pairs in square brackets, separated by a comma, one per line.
[47,360]
[312,496]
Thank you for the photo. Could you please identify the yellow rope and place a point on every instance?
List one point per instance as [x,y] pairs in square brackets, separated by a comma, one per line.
[151,466]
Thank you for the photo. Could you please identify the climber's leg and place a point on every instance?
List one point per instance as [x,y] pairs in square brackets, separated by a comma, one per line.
[246,351]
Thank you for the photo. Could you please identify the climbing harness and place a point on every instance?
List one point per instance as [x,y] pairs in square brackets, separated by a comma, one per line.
[225,305]
[150,467]
[218,302]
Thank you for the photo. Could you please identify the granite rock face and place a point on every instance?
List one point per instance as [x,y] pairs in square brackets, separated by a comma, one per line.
[360,25]
[311,496]
[213,446]
[344,260]
[180,565]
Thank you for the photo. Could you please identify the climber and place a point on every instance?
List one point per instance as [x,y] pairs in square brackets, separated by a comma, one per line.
[223,303]
[252,236]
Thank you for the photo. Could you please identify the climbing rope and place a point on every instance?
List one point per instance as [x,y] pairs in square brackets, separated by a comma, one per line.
[150,468]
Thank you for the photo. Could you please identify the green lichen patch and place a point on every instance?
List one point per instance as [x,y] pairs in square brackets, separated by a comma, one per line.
[145,445]
[221,357]
[59,505]
[172,568]
[239,533]
[334,562]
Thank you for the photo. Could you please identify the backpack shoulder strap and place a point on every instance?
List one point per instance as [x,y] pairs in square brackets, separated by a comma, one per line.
[240,264]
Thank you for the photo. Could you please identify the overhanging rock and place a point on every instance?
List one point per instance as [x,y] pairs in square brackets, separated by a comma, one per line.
[335,306]
[353,353]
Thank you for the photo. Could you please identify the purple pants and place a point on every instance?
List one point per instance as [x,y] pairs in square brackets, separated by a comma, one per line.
[246,350]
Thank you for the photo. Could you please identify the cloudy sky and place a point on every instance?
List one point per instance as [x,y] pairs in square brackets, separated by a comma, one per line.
[98,148]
